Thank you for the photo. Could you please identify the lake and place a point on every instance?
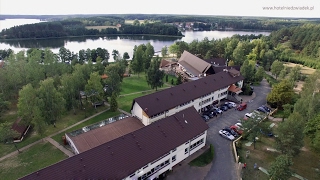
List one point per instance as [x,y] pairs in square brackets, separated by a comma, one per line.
[120,43]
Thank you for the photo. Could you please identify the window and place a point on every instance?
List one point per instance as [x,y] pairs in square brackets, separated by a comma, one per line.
[173,158]
[186,143]
[186,151]
[145,166]
[173,150]
[132,174]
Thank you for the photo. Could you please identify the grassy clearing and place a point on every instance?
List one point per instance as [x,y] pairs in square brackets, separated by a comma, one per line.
[304,69]
[204,158]
[305,163]
[125,102]
[93,120]
[37,157]
[134,84]
[66,121]
[101,27]
[131,21]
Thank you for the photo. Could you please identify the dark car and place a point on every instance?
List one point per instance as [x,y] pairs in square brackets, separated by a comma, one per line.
[261,109]
[231,131]
[269,134]
[266,108]
[224,107]
[208,113]
[205,118]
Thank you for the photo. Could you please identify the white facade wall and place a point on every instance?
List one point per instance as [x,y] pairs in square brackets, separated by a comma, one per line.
[74,148]
[179,154]
[198,104]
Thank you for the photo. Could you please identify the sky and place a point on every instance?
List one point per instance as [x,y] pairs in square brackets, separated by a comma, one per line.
[281,8]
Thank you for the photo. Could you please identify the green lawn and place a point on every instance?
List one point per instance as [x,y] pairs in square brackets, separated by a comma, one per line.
[66,121]
[204,159]
[37,157]
[304,164]
[93,120]
[125,102]
[134,84]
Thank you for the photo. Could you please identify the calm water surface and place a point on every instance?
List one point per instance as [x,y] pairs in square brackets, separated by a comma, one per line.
[120,43]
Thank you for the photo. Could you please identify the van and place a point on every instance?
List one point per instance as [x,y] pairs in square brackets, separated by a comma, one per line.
[242,107]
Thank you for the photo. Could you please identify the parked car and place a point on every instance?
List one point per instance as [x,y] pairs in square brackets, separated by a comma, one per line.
[224,107]
[269,134]
[232,104]
[253,116]
[217,110]
[209,113]
[242,106]
[232,132]
[239,125]
[205,117]
[266,108]
[226,135]
[261,109]
[236,129]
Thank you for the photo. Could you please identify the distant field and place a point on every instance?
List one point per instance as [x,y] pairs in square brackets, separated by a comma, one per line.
[101,27]
[305,70]
[131,21]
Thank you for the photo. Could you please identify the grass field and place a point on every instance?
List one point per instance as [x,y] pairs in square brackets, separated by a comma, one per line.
[101,27]
[304,164]
[37,157]
[66,121]
[95,119]
[125,102]
[304,69]
[131,21]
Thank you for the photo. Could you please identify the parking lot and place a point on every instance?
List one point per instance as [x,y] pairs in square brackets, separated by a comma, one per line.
[224,166]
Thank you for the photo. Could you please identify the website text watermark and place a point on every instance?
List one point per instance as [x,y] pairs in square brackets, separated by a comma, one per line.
[301,8]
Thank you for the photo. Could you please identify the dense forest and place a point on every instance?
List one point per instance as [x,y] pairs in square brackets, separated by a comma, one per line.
[77,27]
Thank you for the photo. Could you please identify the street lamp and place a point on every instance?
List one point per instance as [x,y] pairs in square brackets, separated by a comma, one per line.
[85,114]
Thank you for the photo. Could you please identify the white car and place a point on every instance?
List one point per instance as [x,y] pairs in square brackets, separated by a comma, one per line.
[217,110]
[253,116]
[239,125]
[226,135]
[231,103]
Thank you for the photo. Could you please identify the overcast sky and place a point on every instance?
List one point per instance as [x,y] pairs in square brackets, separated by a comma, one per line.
[198,7]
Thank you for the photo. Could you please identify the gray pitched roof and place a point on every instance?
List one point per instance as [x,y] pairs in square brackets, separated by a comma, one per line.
[170,98]
[193,64]
[121,157]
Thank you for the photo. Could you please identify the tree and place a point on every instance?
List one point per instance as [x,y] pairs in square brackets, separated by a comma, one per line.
[137,62]
[281,93]
[174,49]
[7,135]
[115,74]
[239,54]
[148,54]
[155,75]
[312,130]
[115,54]
[38,122]
[51,102]
[94,88]
[179,80]
[167,78]
[126,56]
[283,73]
[27,103]
[290,135]
[247,71]
[259,74]
[113,102]
[280,168]
[295,73]
[136,22]
[231,63]
[4,105]
[253,128]
[164,51]
[276,68]
[69,90]
[287,110]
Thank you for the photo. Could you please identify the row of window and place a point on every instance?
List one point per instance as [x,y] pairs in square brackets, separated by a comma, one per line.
[206,95]
[160,158]
[196,144]
[205,101]
[181,105]
[197,136]
[154,170]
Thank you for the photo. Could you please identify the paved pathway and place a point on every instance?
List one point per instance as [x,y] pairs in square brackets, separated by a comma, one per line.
[62,148]
[49,137]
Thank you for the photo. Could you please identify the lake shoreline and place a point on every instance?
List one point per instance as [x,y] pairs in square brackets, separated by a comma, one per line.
[154,35]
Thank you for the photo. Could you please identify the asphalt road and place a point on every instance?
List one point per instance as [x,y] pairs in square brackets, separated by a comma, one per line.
[224,166]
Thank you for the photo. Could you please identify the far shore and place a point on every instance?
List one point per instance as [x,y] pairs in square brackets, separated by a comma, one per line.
[102,35]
